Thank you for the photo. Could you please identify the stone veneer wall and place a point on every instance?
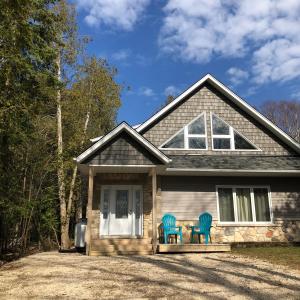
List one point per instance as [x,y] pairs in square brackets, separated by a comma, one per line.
[122,179]
[282,231]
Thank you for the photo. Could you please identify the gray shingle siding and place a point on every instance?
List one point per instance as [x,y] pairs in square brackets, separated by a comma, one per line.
[208,100]
[122,150]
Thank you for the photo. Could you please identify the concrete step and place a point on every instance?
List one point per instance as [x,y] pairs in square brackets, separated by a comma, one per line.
[111,248]
[120,241]
[112,253]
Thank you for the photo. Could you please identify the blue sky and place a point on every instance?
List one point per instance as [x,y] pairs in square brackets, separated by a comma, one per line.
[162,47]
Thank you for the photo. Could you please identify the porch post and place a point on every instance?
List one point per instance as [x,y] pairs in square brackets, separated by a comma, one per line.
[89,211]
[154,229]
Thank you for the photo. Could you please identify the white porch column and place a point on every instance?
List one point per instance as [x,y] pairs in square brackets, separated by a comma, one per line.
[89,211]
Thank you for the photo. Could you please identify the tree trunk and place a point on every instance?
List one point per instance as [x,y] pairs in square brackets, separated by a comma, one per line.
[72,186]
[65,241]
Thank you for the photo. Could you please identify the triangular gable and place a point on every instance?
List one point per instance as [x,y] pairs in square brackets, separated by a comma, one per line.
[123,127]
[232,97]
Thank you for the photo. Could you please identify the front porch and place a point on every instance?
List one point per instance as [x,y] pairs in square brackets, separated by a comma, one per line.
[193,248]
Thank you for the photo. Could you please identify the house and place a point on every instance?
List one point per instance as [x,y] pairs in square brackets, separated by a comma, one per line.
[208,150]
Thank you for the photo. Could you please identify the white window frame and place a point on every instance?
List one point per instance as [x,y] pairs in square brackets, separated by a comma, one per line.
[229,136]
[186,136]
[236,222]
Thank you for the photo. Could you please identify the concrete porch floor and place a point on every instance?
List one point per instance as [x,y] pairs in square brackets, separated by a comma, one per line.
[184,248]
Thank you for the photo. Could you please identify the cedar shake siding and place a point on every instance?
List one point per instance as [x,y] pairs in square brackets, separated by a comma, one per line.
[186,197]
[122,150]
[207,99]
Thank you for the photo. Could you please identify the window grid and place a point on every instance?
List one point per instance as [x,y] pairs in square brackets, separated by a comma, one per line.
[236,221]
[229,136]
[187,135]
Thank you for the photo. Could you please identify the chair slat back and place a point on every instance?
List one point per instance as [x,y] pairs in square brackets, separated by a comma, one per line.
[169,220]
[205,221]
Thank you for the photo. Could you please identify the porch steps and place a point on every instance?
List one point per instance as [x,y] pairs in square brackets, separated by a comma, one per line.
[184,248]
[120,246]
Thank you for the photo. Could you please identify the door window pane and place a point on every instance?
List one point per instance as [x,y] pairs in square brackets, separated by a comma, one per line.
[137,204]
[262,208]
[176,142]
[105,203]
[219,127]
[197,143]
[226,205]
[221,143]
[121,204]
[241,143]
[197,127]
[243,202]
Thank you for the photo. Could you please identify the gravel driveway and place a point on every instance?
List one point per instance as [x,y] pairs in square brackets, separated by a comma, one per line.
[51,275]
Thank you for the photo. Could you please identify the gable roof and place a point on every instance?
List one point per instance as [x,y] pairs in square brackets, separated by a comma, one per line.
[235,99]
[123,127]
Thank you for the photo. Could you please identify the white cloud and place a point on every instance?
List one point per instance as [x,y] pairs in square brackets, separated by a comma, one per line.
[121,55]
[296,96]
[237,76]
[171,90]
[121,14]
[266,31]
[146,91]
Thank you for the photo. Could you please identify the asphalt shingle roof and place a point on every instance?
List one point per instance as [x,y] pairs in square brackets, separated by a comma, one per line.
[235,162]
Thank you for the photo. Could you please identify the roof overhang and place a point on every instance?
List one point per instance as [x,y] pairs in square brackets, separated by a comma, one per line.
[235,99]
[123,127]
[229,172]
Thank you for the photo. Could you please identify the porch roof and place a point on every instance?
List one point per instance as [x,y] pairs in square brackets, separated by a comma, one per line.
[235,163]
[123,127]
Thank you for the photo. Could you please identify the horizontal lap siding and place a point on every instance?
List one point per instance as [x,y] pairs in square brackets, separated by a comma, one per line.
[187,197]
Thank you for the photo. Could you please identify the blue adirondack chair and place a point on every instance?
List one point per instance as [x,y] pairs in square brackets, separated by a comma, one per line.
[203,228]
[170,228]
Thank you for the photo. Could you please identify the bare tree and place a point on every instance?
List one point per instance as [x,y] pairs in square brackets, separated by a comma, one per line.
[285,114]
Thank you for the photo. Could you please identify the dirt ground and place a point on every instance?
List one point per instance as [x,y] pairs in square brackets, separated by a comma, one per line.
[51,275]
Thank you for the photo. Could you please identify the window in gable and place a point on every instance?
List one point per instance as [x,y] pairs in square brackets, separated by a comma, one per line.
[225,137]
[191,136]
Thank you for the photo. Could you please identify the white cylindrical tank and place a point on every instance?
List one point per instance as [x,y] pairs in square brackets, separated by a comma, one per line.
[80,228]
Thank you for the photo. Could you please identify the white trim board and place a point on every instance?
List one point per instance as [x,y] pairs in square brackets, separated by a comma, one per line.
[123,127]
[235,99]
[229,172]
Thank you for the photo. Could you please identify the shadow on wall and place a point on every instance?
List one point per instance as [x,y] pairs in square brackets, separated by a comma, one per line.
[290,215]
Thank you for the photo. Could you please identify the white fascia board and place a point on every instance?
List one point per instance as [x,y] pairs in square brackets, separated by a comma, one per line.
[133,133]
[96,139]
[136,126]
[173,103]
[231,172]
[237,100]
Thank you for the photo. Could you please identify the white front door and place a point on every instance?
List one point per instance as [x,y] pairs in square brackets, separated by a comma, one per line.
[121,211]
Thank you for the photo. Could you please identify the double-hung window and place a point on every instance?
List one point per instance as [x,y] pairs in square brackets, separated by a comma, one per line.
[241,204]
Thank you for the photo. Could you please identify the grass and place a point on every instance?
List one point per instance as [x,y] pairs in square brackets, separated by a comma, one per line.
[287,256]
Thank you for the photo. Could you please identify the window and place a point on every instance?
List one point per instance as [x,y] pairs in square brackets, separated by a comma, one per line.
[224,137]
[244,204]
[122,204]
[192,136]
